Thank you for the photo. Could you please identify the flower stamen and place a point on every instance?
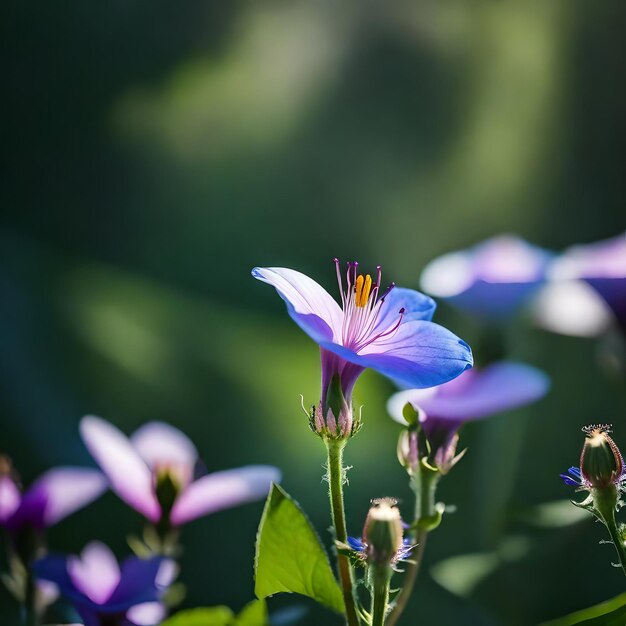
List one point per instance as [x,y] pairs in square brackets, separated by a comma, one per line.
[362,303]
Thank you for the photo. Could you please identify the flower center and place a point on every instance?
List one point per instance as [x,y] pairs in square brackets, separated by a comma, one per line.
[362,308]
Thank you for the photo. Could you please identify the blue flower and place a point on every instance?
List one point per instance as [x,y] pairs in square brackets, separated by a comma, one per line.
[104,592]
[603,266]
[388,330]
[475,395]
[573,477]
[493,279]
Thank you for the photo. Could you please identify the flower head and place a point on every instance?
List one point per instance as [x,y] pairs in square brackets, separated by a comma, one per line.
[382,542]
[52,497]
[476,394]
[493,279]
[388,330]
[601,462]
[105,593]
[155,472]
[603,266]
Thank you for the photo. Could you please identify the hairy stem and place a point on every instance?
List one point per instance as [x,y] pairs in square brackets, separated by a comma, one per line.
[335,493]
[605,501]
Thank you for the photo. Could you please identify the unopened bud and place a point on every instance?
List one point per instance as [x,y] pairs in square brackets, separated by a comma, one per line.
[601,462]
[446,457]
[408,454]
[333,417]
[382,533]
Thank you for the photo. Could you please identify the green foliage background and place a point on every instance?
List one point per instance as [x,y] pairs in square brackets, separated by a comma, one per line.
[153,152]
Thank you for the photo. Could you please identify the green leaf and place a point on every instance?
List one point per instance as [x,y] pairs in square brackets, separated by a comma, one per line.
[290,557]
[214,616]
[253,614]
[609,613]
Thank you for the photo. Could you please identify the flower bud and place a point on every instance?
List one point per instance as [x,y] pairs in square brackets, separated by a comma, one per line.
[382,534]
[601,462]
[408,454]
[333,417]
[446,457]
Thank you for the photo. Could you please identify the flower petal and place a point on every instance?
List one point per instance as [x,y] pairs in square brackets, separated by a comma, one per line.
[146,614]
[10,498]
[95,572]
[58,493]
[308,303]
[223,490]
[53,568]
[416,305]
[159,443]
[572,307]
[130,477]
[493,278]
[139,582]
[419,354]
[475,394]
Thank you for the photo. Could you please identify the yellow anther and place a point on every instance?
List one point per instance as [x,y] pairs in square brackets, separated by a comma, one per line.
[358,289]
[363,288]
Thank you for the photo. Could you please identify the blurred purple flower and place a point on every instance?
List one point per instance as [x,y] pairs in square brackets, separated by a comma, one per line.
[52,497]
[389,331]
[572,307]
[158,452]
[603,266]
[105,593]
[475,395]
[493,279]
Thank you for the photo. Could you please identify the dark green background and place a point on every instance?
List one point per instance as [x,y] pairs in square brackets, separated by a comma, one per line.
[153,152]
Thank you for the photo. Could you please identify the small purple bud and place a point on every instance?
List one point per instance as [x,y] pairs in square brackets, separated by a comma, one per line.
[446,457]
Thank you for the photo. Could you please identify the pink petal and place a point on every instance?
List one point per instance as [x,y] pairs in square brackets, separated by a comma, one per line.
[223,490]
[160,444]
[146,614]
[128,473]
[95,572]
[308,303]
[9,498]
[63,490]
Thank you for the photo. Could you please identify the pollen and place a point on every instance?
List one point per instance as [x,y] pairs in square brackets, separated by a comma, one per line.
[362,288]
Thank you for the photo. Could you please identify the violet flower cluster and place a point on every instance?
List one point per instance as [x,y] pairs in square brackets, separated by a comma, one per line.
[158,473]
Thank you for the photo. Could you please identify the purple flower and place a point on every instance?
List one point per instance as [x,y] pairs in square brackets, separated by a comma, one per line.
[389,331]
[475,395]
[52,497]
[603,266]
[105,593]
[155,473]
[493,279]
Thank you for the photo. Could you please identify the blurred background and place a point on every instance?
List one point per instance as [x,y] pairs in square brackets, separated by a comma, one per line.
[153,152]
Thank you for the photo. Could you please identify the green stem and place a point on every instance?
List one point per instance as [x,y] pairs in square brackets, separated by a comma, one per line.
[381,578]
[605,501]
[425,486]
[31,614]
[335,492]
